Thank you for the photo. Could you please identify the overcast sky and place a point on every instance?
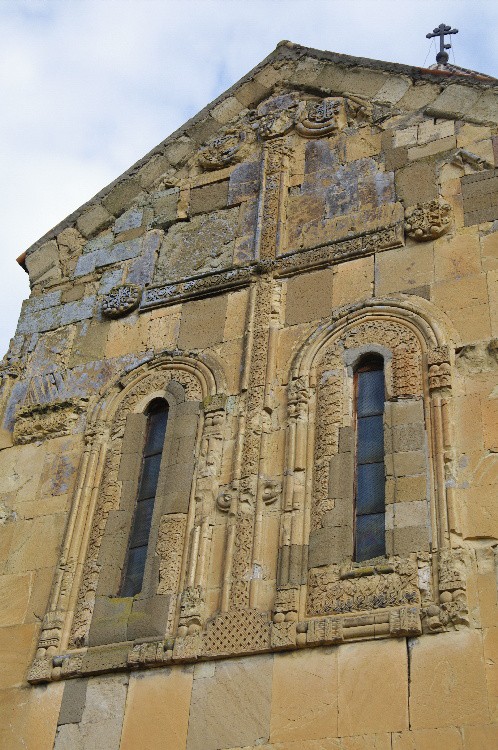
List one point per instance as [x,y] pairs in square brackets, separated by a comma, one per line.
[87,87]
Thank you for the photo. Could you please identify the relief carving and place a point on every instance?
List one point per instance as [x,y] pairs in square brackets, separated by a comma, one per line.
[47,420]
[283,635]
[121,300]
[223,150]
[405,621]
[170,542]
[438,359]
[323,118]
[276,116]
[328,593]
[325,631]
[427,221]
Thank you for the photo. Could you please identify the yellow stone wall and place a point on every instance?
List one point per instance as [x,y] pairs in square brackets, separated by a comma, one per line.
[298,232]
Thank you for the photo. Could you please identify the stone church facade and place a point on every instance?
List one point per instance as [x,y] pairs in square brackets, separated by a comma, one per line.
[249,446]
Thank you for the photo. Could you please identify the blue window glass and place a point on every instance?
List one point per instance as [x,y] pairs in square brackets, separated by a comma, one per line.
[370,475]
[157,418]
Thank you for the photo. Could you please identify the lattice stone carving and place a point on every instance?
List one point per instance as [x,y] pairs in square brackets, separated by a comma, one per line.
[237,632]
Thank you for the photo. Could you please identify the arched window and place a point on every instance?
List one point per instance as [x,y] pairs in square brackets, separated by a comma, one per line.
[369,526]
[157,418]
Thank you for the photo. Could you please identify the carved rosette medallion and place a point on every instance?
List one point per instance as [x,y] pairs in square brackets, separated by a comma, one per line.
[223,150]
[121,300]
[427,221]
[323,118]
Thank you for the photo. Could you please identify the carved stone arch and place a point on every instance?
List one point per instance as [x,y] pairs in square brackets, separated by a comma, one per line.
[191,387]
[416,343]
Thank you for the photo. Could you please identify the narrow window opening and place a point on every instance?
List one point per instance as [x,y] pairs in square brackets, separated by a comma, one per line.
[369,526]
[157,418]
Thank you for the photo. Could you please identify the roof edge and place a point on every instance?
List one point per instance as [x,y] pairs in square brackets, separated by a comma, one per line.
[285,50]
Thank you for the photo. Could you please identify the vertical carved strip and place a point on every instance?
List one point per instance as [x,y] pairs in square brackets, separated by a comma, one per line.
[242,560]
[440,385]
[270,231]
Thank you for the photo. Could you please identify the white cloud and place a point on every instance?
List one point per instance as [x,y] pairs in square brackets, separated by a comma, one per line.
[88,87]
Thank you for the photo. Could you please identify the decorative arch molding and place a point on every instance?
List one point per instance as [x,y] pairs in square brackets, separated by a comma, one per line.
[194,391]
[417,343]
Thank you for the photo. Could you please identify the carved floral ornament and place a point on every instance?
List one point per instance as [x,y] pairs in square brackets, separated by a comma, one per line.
[273,118]
[121,300]
[427,221]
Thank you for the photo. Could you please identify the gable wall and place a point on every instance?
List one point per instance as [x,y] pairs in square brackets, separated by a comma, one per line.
[235,255]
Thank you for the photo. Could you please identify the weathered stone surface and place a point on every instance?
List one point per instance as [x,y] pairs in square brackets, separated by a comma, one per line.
[157,709]
[206,243]
[367,704]
[309,297]
[456,696]
[245,685]
[304,696]
[14,595]
[202,323]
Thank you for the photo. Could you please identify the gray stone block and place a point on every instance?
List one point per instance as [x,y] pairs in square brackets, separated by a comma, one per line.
[329,545]
[110,620]
[341,476]
[119,252]
[129,220]
[73,701]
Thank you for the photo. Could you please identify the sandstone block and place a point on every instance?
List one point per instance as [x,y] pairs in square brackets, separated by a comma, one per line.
[43,263]
[309,297]
[244,685]
[29,717]
[251,93]
[457,256]
[406,136]
[14,597]
[451,694]
[367,704]
[17,645]
[393,89]
[121,195]
[404,268]
[93,221]
[331,544]
[304,696]
[26,551]
[480,737]
[209,197]
[353,281]
[408,540]
[202,323]
[152,170]
[131,219]
[489,251]
[416,184]
[448,738]
[157,709]
[176,151]
[226,110]
[490,642]
[454,102]
[73,701]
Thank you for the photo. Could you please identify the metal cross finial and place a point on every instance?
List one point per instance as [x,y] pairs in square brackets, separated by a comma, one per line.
[440,31]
